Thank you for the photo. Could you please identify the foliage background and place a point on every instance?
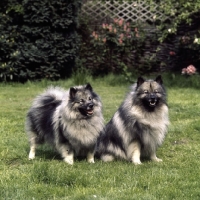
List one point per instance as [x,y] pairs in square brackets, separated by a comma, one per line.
[38,39]
[162,45]
[49,39]
[182,30]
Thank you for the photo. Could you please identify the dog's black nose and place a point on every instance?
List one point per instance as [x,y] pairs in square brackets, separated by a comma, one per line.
[90,106]
[152,96]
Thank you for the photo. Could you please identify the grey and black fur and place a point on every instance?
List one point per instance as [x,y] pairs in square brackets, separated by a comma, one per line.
[139,126]
[70,120]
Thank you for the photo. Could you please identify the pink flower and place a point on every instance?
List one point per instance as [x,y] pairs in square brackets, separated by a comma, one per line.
[189,70]
[120,22]
[104,26]
[116,21]
[93,33]
[172,53]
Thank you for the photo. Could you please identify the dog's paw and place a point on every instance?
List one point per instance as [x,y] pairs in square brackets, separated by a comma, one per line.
[138,162]
[69,160]
[107,158]
[91,160]
[156,159]
[31,155]
[90,157]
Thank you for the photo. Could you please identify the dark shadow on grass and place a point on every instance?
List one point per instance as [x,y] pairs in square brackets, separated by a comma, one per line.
[46,153]
[51,154]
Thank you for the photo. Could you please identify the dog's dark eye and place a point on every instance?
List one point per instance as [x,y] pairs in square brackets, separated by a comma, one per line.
[90,98]
[81,101]
[156,91]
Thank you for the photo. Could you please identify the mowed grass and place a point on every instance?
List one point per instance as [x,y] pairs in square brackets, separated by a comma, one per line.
[48,177]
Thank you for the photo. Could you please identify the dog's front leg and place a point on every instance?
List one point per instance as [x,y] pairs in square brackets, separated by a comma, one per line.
[69,159]
[66,153]
[134,152]
[90,157]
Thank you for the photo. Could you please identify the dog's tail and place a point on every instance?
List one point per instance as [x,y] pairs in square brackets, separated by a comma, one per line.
[51,97]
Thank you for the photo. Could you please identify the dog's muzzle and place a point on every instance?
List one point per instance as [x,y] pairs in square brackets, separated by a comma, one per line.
[152,100]
[89,109]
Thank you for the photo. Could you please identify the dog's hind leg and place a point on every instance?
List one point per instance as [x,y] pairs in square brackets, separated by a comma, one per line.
[33,146]
[155,158]
[31,155]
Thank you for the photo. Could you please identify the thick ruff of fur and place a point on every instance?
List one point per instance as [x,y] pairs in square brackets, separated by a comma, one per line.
[139,126]
[70,120]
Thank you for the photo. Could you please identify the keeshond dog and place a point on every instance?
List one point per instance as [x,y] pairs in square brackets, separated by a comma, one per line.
[69,120]
[139,126]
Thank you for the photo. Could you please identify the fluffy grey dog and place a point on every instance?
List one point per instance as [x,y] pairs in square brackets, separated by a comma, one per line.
[70,120]
[139,126]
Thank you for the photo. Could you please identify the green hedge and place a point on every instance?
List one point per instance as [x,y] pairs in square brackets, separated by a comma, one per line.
[38,39]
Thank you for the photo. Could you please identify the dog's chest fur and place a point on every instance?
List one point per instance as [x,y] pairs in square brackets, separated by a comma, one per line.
[153,126]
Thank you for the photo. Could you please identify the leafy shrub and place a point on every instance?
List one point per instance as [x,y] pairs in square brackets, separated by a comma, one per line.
[181,30]
[40,41]
[113,44]
[116,47]
[11,12]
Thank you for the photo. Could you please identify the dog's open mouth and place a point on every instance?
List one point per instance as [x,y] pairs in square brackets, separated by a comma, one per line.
[86,111]
[89,112]
[152,102]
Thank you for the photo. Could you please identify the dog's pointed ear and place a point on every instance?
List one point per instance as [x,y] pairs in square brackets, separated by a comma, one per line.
[140,81]
[159,80]
[88,87]
[72,92]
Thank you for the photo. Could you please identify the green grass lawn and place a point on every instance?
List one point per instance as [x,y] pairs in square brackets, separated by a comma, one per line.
[48,177]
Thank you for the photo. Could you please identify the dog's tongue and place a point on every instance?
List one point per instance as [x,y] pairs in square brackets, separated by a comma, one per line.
[89,112]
